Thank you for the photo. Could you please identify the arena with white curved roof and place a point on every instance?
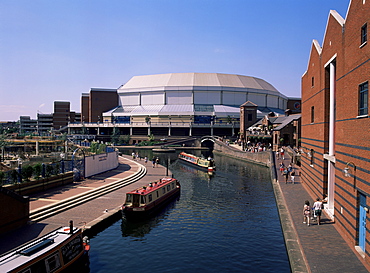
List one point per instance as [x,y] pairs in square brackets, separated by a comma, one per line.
[190,104]
[211,94]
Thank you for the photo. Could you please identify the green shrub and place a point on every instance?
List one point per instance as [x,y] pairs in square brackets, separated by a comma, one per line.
[27,172]
[37,170]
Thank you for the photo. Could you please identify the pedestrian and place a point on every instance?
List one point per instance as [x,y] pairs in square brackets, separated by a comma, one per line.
[306,212]
[133,155]
[282,166]
[317,209]
[278,154]
[290,168]
[282,153]
[292,176]
[157,161]
[145,159]
[286,174]
[153,161]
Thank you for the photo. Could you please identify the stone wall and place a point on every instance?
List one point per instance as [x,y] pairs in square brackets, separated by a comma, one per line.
[260,158]
[36,186]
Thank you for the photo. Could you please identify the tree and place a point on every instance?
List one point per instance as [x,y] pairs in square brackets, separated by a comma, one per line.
[124,139]
[37,170]
[94,147]
[3,143]
[151,137]
[101,149]
[49,170]
[27,172]
[2,175]
[115,135]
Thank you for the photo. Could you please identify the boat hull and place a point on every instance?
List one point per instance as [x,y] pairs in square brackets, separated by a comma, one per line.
[210,170]
[57,251]
[151,209]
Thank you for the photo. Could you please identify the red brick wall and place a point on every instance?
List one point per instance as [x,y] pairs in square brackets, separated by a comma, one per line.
[352,133]
[101,101]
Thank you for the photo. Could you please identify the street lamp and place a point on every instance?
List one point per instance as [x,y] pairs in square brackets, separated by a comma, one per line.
[19,170]
[347,172]
[62,155]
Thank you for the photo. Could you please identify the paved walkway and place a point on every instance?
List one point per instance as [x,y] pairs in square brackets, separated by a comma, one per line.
[323,247]
[88,213]
[324,250]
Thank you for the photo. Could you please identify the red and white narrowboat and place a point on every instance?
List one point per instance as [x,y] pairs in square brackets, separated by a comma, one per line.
[56,251]
[148,199]
[207,164]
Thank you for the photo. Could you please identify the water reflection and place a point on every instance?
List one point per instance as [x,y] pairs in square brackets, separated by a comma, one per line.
[227,223]
[141,227]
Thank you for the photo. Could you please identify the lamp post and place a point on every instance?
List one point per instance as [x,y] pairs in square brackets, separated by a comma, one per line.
[62,155]
[19,170]
[347,171]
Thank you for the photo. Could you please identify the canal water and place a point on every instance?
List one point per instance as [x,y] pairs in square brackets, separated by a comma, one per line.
[225,223]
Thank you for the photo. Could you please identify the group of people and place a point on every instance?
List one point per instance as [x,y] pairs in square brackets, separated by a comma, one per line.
[280,153]
[287,172]
[255,148]
[313,212]
[155,160]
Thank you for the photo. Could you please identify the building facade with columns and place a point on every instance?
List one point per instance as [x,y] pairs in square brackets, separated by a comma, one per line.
[190,104]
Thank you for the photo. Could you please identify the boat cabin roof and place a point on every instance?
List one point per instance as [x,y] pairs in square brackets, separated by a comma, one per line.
[190,155]
[152,186]
[34,249]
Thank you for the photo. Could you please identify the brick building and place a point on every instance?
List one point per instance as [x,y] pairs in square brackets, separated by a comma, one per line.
[98,101]
[336,125]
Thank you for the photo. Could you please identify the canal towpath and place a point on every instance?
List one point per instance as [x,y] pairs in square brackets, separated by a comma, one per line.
[314,248]
[90,215]
[310,248]
[323,248]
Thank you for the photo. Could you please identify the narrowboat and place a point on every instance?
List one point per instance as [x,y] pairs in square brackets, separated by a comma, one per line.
[204,163]
[148,199]
[56,251]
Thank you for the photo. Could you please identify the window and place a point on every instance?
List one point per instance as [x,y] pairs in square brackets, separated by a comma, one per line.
[143,199]
[312,114]
[363,99]
[364,34]
[250,117]
[312,81]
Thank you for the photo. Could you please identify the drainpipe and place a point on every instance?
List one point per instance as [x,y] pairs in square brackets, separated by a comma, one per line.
[331,167]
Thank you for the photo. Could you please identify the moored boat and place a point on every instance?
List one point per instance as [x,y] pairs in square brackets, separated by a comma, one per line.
[204,163]
[148,199]
[53,252]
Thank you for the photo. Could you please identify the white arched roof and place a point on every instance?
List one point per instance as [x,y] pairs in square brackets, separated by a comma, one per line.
[197,81]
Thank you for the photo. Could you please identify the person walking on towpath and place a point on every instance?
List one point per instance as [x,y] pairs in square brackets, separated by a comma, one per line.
[317,209]
[281,167]
[286,174]
[292,176]
[306,213]
[282,152]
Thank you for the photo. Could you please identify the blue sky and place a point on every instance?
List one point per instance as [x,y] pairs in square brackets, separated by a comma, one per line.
[57,50]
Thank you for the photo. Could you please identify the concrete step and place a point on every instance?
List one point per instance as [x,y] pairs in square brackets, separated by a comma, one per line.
[63,205]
